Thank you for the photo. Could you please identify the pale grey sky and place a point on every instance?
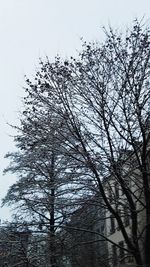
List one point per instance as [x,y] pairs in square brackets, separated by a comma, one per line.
[30,29]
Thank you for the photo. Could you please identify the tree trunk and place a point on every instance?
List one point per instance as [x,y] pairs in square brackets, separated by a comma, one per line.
[52,245]
[147,222]
[52,234]
[138,259]
[147,245]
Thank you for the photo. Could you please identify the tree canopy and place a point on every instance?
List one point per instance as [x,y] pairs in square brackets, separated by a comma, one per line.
[85,120]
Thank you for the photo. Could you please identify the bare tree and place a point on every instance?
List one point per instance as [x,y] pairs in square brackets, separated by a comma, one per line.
[14,244]
[40,193]
[103,100]
[108,95]
[45,194]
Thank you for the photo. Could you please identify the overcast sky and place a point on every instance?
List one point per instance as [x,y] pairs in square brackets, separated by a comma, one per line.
[30,29]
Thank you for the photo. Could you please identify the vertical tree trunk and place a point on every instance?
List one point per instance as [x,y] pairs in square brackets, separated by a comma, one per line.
[147,222]
[147,246]
[138,259]
[52,232]
[147,237]
[52,244]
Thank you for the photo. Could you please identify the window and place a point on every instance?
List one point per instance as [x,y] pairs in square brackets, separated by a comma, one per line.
[126,216]
[102,228]
[112,225]
[121,252]
[116,190]
[118,227]
[110,196]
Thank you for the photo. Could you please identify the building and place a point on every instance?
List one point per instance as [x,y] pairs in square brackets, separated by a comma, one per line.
[127,178]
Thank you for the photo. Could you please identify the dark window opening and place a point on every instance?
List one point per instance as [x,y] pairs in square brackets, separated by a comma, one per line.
[126,216]
[116,191]
[112,225]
